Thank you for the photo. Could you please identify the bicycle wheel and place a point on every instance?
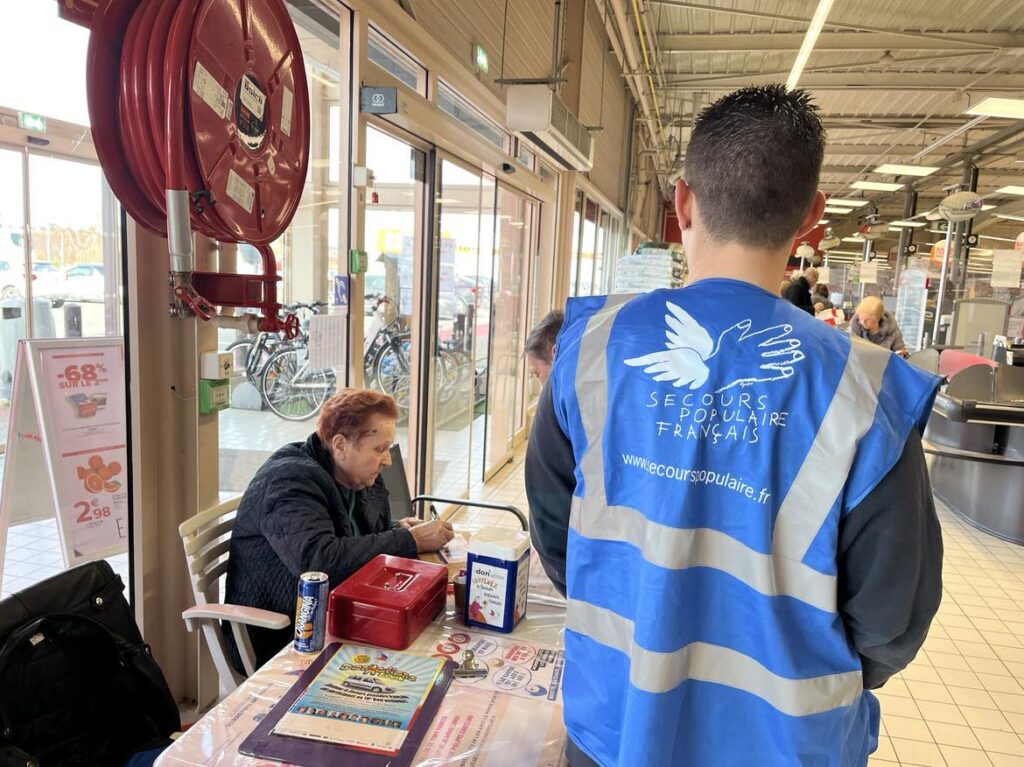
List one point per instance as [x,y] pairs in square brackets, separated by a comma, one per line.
[391,371]
[292,390]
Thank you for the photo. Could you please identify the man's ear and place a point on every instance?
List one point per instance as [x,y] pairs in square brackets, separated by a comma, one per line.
[813,216]
[684,204]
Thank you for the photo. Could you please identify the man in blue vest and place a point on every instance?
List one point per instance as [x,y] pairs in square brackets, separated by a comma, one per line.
[733,495]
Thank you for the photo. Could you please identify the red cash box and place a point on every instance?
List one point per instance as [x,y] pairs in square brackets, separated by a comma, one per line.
[387,602]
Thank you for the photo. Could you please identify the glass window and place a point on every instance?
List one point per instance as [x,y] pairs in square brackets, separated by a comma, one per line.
[455,105]
[393,59]
[275,395]
[43,60]
[525,156]
[588,250]
[601,253]
[574,255]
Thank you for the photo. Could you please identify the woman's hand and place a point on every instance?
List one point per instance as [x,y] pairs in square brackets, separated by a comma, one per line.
[430,536]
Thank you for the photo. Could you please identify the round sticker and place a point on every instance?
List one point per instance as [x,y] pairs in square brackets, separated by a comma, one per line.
[250,112]
[459,637]
[512,678]
[519,653]
[484,646]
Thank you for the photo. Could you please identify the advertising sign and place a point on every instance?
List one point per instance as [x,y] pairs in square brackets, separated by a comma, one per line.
[67,445]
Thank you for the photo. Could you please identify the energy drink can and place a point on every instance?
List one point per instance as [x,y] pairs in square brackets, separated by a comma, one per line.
[311,612]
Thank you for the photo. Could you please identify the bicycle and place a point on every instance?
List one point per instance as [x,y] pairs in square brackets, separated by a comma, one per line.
[386,360]
[291,388]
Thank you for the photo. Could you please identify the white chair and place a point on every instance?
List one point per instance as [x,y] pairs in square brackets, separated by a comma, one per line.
[207,539]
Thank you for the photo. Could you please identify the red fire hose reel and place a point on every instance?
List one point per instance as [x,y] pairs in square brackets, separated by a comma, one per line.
[200,117]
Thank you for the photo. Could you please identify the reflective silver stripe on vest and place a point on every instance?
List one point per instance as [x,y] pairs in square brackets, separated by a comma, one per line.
[827,465]
[659,672]
[680,548]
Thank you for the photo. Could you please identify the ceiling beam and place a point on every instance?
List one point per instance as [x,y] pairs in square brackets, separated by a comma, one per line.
[830,23]
[845,148]
[860,81]
[836,41]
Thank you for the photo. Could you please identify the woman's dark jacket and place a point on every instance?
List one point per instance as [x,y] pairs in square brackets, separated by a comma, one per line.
[292,519]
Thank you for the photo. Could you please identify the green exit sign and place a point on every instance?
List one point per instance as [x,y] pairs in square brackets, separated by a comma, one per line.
[30,122]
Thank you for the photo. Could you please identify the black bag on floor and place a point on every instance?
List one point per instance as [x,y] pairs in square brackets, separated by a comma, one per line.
[78,686]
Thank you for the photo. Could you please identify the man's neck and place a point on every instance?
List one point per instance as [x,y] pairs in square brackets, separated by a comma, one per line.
[757,266]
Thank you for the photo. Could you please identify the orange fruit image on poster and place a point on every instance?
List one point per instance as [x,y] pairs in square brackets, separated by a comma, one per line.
[98,475]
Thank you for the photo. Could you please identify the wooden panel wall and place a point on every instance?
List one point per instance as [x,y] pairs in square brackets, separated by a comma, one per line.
[458,25]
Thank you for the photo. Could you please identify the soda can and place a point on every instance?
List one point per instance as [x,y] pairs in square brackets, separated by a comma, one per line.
[311,612]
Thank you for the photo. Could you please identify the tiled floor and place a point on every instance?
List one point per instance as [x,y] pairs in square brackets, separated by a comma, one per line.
[33,554]
[960,704]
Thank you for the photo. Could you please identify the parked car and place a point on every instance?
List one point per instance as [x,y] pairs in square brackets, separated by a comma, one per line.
[82,282]
[12,263]
[367,683]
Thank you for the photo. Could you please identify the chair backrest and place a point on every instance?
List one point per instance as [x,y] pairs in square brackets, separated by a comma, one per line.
[207,541]
[397,485]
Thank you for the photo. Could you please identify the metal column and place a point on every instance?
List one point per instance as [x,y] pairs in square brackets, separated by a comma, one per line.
[906,235]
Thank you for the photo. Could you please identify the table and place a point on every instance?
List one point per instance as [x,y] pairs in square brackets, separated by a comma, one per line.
[512,718]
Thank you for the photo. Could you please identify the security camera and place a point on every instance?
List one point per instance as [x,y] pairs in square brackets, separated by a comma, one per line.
[508,167]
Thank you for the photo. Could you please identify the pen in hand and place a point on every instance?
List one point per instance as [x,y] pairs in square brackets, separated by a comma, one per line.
[442,553]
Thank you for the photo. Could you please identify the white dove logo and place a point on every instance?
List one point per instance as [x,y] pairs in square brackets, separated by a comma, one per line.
[689,348]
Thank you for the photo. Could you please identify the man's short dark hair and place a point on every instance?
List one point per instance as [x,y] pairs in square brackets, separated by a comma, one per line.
[541,341]
[753,163]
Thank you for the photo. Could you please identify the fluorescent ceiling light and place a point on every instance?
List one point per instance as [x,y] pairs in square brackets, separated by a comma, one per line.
[838,211]
[987,207]
[895,169]
[907,224]
[997,239]
[817,22]
[845,253]
[1008,217]
[876,186]
[854,238]
[846,203]
[1018,190]
[823,221]
[995,107]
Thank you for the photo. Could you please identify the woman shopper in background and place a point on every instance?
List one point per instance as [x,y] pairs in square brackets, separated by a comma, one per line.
[873,323]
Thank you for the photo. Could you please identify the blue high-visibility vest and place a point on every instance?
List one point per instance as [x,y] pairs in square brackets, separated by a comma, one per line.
[720,435]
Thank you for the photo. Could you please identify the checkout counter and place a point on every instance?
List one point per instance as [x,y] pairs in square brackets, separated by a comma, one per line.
[975,446]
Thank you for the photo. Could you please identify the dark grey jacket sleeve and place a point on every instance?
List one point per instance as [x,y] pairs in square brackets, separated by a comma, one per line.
[301,532]
[890,568]
[550,483]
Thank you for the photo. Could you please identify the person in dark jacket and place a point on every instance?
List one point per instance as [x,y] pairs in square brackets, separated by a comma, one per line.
[540,344]
[799,291]
[320,505]
[873,323]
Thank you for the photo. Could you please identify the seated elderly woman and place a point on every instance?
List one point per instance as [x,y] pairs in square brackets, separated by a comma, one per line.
[320,505]
[873,323]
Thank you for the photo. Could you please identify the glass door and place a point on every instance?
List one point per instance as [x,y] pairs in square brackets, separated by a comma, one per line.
[75,261]
[465,200]
[393,227]
[517,223]
[13,287]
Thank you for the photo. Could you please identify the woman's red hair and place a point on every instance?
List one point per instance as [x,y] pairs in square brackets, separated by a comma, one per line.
[350,411]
